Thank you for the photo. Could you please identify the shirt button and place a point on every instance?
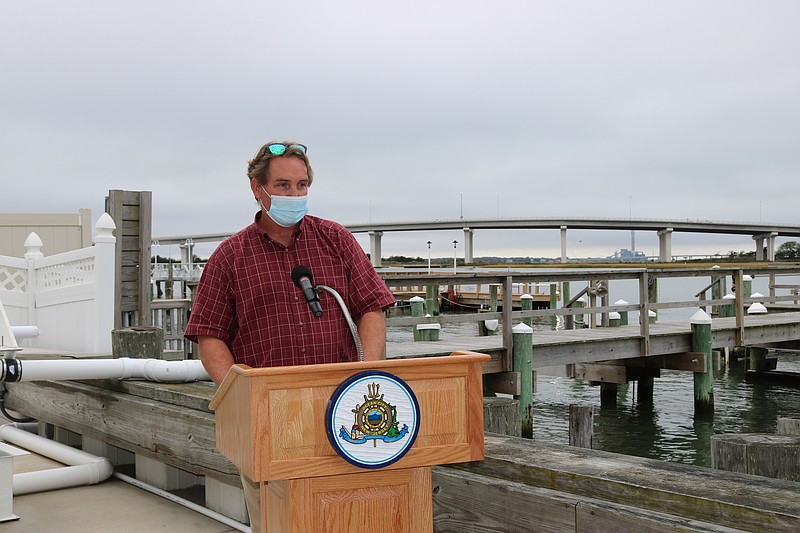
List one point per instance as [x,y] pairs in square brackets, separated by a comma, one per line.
[301,324]
[296,299]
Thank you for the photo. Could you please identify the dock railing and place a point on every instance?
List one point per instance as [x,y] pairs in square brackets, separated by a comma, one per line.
[600,287]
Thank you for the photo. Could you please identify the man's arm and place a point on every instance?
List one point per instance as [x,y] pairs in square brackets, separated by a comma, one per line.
[372,331]
[216,357]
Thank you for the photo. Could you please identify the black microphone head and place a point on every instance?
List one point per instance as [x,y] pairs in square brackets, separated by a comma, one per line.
[300,272]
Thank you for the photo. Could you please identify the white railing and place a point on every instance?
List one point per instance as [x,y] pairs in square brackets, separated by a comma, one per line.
[68,296]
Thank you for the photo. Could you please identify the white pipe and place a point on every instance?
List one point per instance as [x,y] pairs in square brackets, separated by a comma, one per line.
[186,503]
[83,469]
[123,368]
[25,332]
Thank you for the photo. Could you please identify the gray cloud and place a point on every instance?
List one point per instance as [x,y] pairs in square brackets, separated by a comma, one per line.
[413,111]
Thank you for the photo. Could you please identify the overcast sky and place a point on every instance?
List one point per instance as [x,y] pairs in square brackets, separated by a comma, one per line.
[411,110]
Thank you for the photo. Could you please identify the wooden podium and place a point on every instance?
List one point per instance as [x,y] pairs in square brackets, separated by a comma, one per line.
[271,423]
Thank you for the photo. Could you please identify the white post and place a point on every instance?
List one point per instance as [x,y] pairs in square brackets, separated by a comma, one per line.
[104,268]
[429,258]
[33,245]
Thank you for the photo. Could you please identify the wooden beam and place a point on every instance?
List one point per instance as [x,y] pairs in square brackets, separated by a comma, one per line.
[502,382]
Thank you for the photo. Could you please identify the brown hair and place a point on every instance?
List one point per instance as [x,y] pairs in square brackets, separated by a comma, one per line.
[258,167]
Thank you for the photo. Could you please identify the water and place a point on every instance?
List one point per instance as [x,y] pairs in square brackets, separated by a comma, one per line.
[668,429]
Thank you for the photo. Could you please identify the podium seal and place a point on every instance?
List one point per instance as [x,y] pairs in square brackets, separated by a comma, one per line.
[372,419]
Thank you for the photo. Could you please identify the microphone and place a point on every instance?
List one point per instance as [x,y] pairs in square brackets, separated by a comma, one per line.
[301,276]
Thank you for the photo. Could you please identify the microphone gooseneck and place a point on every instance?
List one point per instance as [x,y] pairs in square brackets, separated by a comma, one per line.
[348,318]
[301,276]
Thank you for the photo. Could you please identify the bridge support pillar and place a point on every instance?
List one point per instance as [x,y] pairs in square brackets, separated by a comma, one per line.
[468,245]
[375,247]
[563,244]
[665,245]
[770,246]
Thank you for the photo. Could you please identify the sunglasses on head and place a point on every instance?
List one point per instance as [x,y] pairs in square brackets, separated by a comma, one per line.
[281,148]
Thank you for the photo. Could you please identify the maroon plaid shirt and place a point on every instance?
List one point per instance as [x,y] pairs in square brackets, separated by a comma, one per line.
[247,299]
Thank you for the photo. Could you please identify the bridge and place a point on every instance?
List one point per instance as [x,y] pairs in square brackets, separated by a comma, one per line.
[763,234]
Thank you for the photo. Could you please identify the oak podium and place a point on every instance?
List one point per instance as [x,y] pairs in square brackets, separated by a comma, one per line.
[348,447]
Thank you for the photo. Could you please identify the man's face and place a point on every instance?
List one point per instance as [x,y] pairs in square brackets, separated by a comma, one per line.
[288,176]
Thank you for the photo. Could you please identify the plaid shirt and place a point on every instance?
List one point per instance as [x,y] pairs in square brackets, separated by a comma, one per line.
[247,299]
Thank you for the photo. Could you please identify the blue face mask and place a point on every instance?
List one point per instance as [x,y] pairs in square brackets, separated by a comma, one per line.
[286,211]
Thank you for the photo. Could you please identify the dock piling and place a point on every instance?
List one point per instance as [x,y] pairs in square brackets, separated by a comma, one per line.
[523,363]
[703,381]
[581,425]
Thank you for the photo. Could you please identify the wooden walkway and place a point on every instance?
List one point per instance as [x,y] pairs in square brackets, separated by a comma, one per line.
[562,347]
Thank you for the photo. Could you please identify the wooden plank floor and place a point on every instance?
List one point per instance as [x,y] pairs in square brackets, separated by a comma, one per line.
[562,347]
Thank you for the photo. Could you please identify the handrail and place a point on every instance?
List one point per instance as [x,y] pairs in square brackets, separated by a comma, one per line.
[643,276]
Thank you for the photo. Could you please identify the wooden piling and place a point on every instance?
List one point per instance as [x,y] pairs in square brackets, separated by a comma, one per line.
[432,299]
[417,310]
[623,315]
[756,357]
[553,304]
[703,381]
[578,320]
[428,332]
[717,292]
[652,296]
[581,425]
[644,390]
[523,364]
[608,394]
[775,456]
[526,302]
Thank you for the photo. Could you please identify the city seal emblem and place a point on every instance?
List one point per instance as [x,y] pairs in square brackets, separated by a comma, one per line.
[372,419]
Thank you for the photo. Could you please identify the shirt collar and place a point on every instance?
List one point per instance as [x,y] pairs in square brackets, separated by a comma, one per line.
[297,232]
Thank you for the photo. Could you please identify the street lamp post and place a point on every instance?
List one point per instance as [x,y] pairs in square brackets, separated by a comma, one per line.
[455,243]
[429,258]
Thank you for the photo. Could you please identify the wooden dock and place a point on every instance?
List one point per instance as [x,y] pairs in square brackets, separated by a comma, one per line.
[522,485]
[564,347]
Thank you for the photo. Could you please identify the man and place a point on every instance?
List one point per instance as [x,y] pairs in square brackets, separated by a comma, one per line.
[247,309]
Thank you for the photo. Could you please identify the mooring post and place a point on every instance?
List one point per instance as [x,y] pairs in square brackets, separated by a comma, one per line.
[523,364]
[553,304]
[526,303]
[728,309]
[581,425]
[428,332]
[579,304]
[703,381]
[417,310]
[652,297]
[623,315]
[747,285]
[717,290]
[432,299]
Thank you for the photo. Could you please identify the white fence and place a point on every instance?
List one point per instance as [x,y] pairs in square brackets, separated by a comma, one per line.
[69,296]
